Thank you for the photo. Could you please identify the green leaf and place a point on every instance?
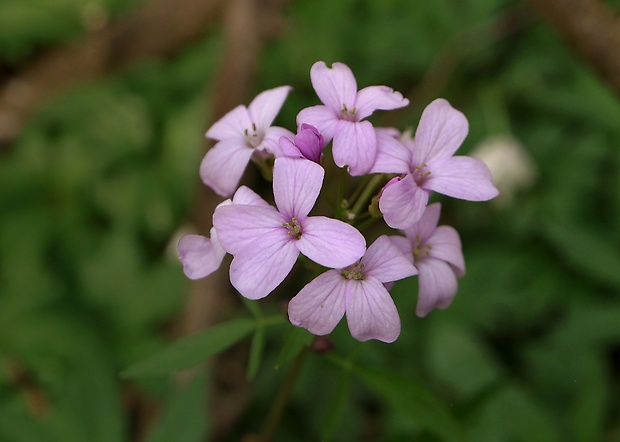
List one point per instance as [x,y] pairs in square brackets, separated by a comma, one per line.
[256,351]
[252,306]
[185,417]
[337,406]
[295,341]
[190,351]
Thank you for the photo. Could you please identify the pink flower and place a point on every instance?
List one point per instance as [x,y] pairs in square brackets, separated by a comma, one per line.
[426,164]
[202,256]
[266,241]
[308,143]
[240,133]
[340,118]
[436,252]
[357,290]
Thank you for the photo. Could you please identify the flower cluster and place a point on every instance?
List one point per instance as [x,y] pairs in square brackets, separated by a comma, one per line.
[266,240]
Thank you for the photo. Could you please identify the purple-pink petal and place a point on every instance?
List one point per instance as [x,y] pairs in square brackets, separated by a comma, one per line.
[330,242]
[446,245]
[461,177]
[402,203]
[296,186]
[262,266]
[427,224]
[336,86]
[319,306]
[324,118]
[355,146]
[385,262]
[370,310]
[309,142]
[440,133]
[222,167]
[238,225]
[392,155]
[266,105]
[437,285]
[271,140]
[245,195]
[200,256]
[372,98]
[231,125]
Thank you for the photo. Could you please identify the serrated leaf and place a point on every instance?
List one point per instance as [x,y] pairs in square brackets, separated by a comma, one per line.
[295,341]
[190,351]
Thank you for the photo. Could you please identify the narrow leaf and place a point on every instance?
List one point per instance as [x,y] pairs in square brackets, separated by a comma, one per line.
[191,351]
[295,341]
[256,352]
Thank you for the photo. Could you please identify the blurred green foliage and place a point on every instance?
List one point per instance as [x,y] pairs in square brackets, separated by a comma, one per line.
[94,189]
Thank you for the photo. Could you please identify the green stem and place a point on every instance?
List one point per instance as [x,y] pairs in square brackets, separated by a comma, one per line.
[279,404]
[342,185]
[367,193]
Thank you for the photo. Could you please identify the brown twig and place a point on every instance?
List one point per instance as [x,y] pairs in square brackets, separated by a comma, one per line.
[591,29]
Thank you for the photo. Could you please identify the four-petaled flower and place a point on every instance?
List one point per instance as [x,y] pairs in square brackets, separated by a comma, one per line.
[436,252]
[427,164]
[266,241]
[240,133]
[357,290]
[340,117]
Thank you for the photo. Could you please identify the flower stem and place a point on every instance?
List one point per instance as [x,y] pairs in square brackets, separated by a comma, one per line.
[277,408]
[367,193]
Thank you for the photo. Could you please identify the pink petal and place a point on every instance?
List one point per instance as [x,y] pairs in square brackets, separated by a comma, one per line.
[404,245]
[319,306]
[231,125]
[427,224]
[266,105]
[238,225]
[322,117]
[437,285]
[259,269]
[245,195]
[330,242]
[288,149]
[271,140]
[392,155]
[296,186]
[310,142]
[200,256]
[402,203]
[385,262]
[335,86]
[440,133]
[461,177]
[374,98]
[355,145]
[371,313]
[222,167]
[446,245]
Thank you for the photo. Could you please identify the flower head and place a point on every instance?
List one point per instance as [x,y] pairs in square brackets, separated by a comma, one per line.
[308,143]
[240,133]
[341,116]
[357,291]
[266,241]
[436,252]
[426,163]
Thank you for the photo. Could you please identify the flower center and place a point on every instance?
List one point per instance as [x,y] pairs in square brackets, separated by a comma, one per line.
[354,272]
[253,137]
[348,114]
[420,173]
[293,227]
[421,250]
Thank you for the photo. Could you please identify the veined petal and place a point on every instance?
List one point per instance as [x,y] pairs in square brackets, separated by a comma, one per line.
[437,285]
[385,262]
[288,148]
[322,117]
[245,195]
[222,167]
[330,242]
[355,145]
[427,224]
[374,98]
[392,155]
[335,86]
[200,256]
[263,265]
[271,140]
[231,125]
[238,225]
[461,177]
[402,203]
[371,313]
[446,245]
[296,186]
[319,306]
[266,105]
[440,133]
[404,245]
